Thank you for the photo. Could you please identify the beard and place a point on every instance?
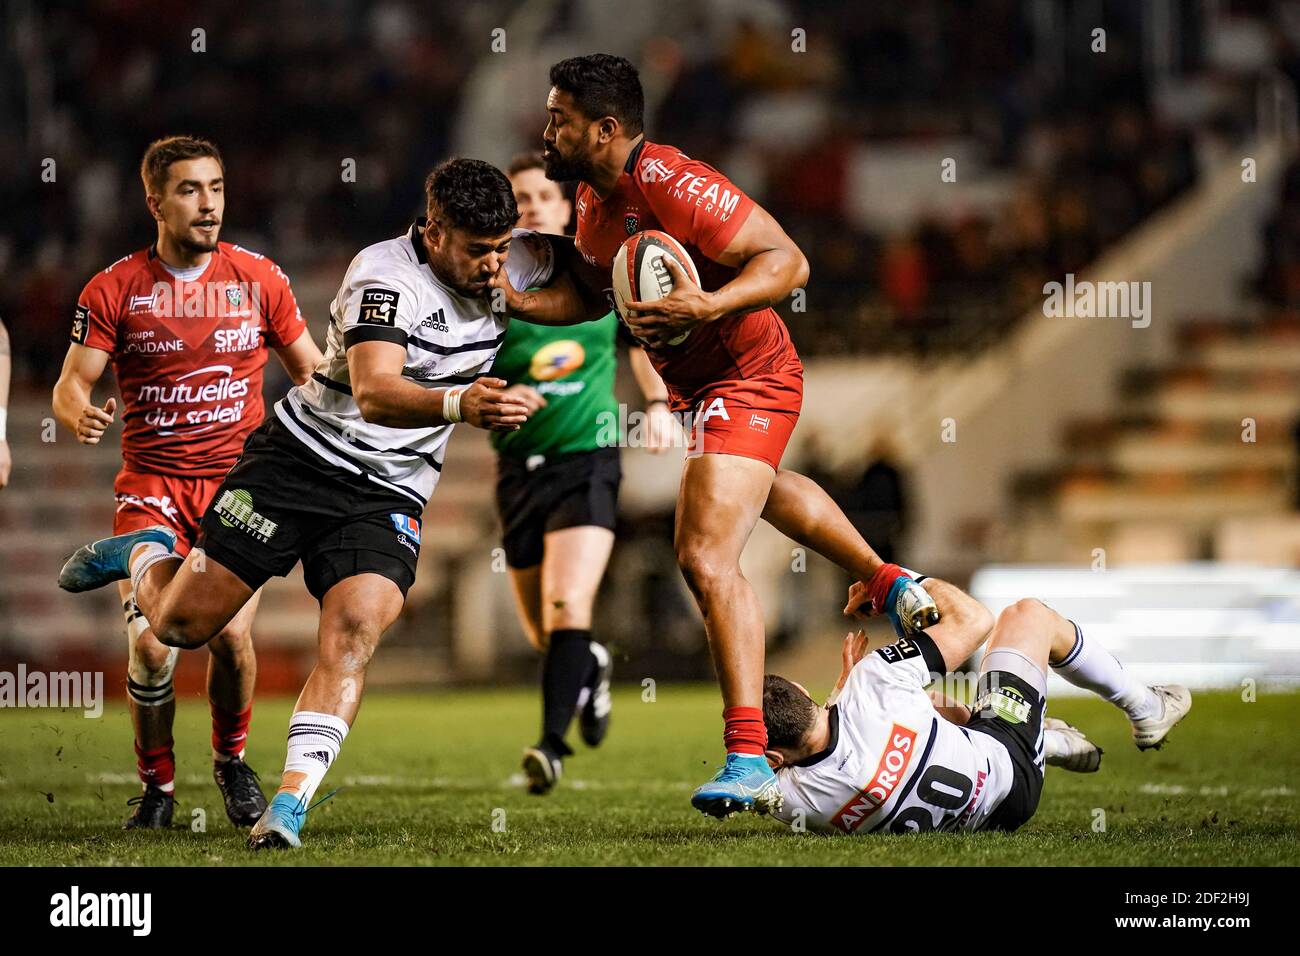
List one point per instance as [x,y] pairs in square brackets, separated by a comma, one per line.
[198,245]
[561,170]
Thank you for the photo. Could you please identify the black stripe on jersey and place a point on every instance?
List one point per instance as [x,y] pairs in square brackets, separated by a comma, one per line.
[916,775]
[833,720]
[361,469]
[373,333]
[424,455]
[330,383]
[446,379]
[630,166]
[416,235]
[434,347]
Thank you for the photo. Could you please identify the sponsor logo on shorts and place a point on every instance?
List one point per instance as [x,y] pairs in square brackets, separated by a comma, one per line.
[378,307]
[900,744]
[716,409]
[163,504]
[408,531]
[235,510]
[1005,702]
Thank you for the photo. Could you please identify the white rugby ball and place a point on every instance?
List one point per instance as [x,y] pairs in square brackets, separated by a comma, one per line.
[640,274]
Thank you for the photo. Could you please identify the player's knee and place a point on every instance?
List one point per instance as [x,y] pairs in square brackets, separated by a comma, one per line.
[182,631]
[566,609]
[1027,612]
[348,642]
[702,569]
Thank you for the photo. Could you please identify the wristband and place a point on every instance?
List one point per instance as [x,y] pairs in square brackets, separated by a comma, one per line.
[4,417]
[451,404]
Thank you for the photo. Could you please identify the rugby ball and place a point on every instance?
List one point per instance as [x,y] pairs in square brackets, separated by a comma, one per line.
[640,274]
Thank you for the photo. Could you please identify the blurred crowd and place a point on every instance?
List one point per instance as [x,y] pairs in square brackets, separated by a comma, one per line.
[1279,277]
[288,91]
[1080,150]
[1084,155]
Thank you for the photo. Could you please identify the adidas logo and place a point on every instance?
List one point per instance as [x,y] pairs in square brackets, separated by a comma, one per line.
[322,755]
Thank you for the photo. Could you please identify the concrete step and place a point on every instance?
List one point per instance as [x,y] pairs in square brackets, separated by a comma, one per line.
[1112,502]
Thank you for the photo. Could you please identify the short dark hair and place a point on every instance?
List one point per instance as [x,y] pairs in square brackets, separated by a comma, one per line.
[603,85]
[472,195]
[161,153]
[788,712]
[525,161]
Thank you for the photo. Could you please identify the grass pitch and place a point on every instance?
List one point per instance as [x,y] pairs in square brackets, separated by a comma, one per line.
[433,778]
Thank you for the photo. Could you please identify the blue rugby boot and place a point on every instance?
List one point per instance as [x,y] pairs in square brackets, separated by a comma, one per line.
[909,606]
[279,825]
[109,559]
[745,782]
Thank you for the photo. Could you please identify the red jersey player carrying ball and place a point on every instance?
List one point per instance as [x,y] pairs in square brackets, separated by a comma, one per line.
[737,373]
[187,324]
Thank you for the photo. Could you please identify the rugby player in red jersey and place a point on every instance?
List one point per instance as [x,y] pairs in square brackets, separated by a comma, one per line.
[737,374]
[187,324]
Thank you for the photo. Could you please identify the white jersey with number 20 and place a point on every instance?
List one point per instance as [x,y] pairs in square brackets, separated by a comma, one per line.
[894,765]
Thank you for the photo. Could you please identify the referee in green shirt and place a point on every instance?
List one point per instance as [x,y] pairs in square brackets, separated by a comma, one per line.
[557,490]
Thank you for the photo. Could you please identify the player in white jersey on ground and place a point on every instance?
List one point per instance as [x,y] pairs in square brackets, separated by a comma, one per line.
[339,477]
[885,756]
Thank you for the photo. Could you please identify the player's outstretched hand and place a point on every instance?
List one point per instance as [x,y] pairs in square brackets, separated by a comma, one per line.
[662,429]
[503,298]
[657,323]
[527,396]
[852,651]
[93,422]
[485,404]
[859,604]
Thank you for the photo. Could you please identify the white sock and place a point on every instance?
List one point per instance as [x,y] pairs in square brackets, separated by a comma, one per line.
[1054,744]
[1091,666]
[145,556]
[314,743]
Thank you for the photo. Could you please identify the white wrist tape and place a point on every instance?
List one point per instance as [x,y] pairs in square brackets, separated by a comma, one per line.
[451,404]
[4,419]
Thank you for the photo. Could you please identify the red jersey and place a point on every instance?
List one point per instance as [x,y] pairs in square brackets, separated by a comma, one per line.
[188,355]
[661,188]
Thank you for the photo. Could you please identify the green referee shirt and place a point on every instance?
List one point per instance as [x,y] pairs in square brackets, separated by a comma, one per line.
[572,366]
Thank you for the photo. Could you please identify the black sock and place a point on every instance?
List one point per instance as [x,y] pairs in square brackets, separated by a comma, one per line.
[567,669]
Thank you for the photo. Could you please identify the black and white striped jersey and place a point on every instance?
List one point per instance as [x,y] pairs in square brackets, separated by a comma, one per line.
[390,293]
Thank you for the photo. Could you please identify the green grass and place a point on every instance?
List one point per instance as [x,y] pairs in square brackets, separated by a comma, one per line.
[424,776]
